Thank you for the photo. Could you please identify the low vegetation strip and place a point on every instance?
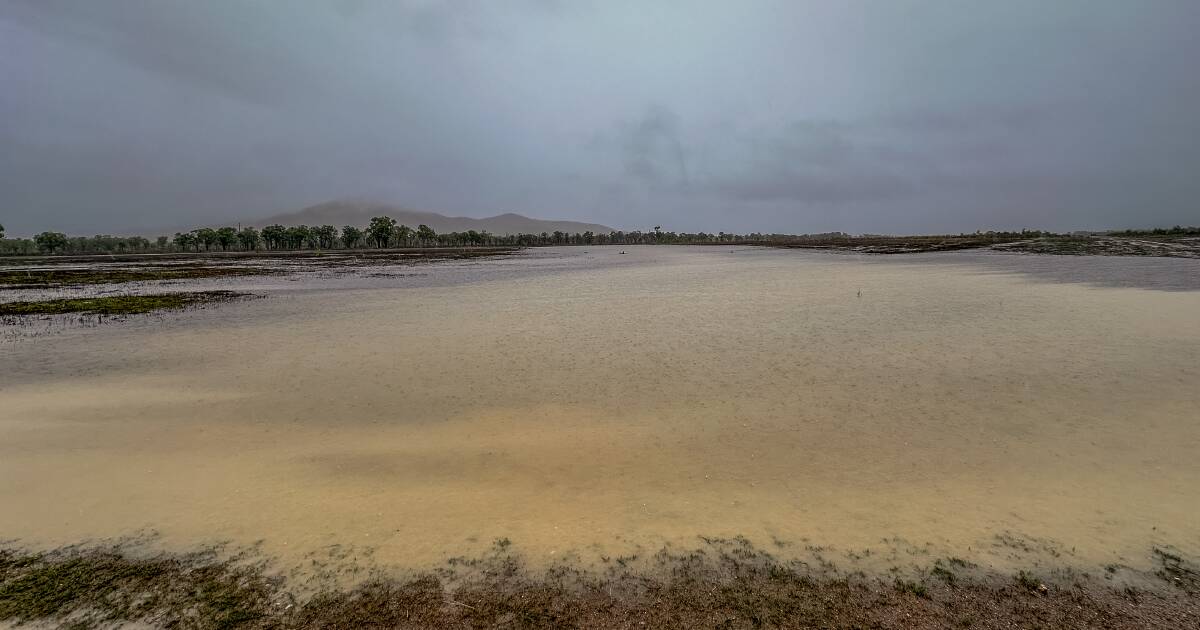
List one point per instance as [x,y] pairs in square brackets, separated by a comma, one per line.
[45,278]
[1184,246]
[117,304]
[730,585]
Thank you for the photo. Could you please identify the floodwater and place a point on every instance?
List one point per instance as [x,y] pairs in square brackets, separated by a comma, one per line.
[590,402]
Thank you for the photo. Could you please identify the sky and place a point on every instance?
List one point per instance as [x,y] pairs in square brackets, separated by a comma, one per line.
[790,116]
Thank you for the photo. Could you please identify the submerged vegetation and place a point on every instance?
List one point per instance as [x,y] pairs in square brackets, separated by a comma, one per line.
[116,304]
[725,584]
[44,278]
[81,275]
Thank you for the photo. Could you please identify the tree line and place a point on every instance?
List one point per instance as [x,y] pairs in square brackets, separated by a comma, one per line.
[385,232]
[381,233]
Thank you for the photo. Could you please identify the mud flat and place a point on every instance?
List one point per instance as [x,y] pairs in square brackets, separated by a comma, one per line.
[1106,245]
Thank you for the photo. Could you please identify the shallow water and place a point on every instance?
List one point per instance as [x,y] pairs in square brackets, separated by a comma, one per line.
[587,402]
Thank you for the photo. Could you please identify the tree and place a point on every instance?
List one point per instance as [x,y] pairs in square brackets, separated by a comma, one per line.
[1,230]
[380,230]
[351,236]
[298,236]
[248,237]
[426,234]
[226,237]
[403,234]
[206,236]
[275,236]
[50,241]
[326,235]
[310,237]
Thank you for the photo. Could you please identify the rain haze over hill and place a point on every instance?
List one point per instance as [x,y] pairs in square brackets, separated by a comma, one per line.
[762,116]
[360,213]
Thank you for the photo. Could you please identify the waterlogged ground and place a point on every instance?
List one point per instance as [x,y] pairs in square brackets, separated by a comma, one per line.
[584,403]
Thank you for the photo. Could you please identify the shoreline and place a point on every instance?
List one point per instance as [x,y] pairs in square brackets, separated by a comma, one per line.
[723,583]
[1148,245]
[1108,245]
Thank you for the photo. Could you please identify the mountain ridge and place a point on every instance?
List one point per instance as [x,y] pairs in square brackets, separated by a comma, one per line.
[359,214]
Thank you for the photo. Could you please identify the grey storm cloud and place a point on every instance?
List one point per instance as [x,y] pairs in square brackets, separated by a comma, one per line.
[904,116]
[653,150]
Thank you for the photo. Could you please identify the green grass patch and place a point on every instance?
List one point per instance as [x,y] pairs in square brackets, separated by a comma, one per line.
[99,586]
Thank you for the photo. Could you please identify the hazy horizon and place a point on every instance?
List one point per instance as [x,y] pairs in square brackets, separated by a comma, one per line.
[904,117]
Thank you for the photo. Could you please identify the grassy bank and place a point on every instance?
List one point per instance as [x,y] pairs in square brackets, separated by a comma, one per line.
[116,304]
[727,584]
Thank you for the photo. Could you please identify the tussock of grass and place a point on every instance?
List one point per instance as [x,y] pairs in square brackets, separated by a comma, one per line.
[116,304]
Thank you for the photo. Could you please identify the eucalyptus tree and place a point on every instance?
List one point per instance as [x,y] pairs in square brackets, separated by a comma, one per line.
[206,236]
[248,237]
[380,230]
[275,236]
[426,235]
[325,235]
[226,237]
[351,236]
[50,241]
[403,235]
[298,236]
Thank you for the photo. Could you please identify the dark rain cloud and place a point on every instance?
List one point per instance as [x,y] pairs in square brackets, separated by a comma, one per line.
[903,116]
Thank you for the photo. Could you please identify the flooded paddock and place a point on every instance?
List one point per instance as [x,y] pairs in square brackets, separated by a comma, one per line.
[583,402]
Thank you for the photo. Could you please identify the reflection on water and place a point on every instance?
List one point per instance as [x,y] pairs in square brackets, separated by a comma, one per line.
[1161,274]
[596,401]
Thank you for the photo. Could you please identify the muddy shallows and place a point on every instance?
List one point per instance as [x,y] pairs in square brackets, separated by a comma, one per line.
[117,304]
[721,584]
[563,398]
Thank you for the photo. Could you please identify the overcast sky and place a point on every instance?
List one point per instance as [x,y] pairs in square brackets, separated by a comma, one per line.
[791,116]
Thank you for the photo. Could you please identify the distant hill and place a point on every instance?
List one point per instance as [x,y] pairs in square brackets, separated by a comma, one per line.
[359,213]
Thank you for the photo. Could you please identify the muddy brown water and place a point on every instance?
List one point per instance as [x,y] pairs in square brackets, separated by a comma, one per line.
[586,402]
